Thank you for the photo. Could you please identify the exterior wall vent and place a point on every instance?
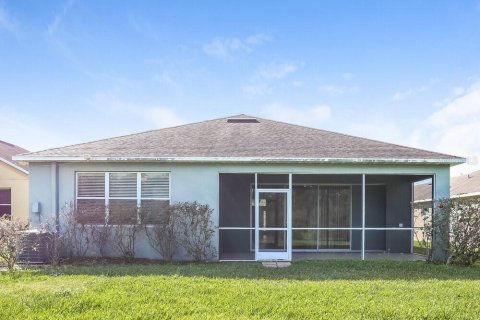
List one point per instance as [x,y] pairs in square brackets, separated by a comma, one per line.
[242,120]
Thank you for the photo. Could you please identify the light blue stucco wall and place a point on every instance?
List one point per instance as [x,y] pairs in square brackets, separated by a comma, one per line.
[199,182]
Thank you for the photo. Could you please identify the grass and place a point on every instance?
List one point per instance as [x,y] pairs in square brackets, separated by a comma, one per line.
[308,289]
[419,248]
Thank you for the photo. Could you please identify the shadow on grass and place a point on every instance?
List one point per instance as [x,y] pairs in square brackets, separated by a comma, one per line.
[314,270]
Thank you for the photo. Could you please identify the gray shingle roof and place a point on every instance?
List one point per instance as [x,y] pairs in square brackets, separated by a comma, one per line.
[466,184]
[241,137]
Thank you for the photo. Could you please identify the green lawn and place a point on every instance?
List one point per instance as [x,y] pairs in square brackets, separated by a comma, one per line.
[308,289]
[419,248]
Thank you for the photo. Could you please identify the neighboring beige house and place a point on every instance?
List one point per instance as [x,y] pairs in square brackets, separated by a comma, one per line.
[13,183]
[464,186]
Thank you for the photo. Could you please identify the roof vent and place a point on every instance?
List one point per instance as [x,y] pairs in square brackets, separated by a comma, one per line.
[242,120]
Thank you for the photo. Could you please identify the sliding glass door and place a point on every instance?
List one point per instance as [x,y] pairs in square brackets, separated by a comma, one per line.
[317,210]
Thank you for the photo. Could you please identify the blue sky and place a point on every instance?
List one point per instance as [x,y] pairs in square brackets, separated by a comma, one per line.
[402,72]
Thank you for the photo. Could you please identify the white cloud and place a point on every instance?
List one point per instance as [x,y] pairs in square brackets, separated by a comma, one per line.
[257,89]
[456,91]
[454,129]
[276,70]
[338,90]
[160,116]
[311,116]
[30,132]
[163,117]
[166,79]
[297,83]
[260,81]
[402,95]
[226,48]
[6,21]
[257,39]
[58,18]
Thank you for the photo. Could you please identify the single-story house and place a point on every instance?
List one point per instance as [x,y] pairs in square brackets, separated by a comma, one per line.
[277,190]
[13,183]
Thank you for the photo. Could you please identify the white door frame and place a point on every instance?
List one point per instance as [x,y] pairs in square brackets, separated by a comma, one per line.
[273,255]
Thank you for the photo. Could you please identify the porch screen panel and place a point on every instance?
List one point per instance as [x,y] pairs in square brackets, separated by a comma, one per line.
[305,215]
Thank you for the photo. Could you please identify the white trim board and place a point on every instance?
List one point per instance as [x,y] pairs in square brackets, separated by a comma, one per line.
[13,165]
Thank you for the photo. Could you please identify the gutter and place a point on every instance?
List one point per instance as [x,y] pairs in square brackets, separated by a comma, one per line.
[86,158]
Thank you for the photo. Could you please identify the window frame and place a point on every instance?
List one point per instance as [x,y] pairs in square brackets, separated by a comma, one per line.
[2,205]
[138,197]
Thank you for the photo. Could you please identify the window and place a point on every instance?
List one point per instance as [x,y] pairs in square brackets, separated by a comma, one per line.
[122,197]
[5,202]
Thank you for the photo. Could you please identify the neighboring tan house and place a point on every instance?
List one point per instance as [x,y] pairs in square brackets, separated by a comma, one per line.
[464,186]
[13,183]
[277,190]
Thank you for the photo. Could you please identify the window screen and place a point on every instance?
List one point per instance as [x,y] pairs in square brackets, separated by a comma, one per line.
[129,198]
[155,185]
[91,185]
[123,185]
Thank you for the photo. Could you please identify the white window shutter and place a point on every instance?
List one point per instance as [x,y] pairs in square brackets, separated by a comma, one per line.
[155,185]
[91,185]
[123,185]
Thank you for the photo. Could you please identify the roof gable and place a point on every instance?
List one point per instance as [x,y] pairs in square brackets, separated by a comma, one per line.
[241,137]
[7,151]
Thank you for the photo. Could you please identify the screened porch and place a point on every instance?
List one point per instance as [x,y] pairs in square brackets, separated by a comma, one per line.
[295,216]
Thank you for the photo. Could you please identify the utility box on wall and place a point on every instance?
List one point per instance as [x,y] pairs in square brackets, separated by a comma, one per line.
[36,207]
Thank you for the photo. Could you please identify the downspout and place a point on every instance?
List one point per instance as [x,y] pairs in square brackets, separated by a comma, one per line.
[55,194]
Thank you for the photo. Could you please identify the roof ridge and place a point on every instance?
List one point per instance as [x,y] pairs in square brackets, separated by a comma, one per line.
[357,137]
[125,135]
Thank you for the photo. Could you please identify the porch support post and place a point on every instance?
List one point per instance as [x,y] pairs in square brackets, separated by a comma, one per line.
[440,191]
[289,217]
[363,216]
[256,219]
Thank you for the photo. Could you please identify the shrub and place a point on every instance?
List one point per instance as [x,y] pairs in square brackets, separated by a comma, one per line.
[56,245]
[459,218]
[74,231]
[11,244]
[101,236]
[124,224]
[457,222]
[195,229]
[163,236]
[125,237]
